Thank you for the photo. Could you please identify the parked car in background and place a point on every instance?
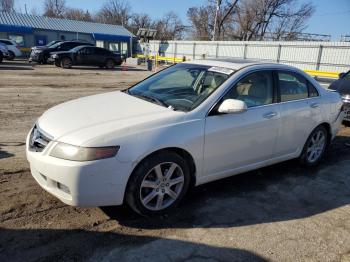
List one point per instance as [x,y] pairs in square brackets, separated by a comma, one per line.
[13,48]
[342,85]
[189,124]
[3,52]
[87,56]
[42,54]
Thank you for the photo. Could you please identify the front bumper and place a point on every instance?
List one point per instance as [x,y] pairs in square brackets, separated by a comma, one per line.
[347,111]
[91,183]
[35,57]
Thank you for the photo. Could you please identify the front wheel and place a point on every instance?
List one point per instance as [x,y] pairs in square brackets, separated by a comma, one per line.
[66,63]
[315,147]
[110,64]
[158,184]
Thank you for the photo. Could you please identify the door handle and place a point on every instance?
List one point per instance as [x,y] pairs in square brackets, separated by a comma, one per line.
[314,105]
[270,115]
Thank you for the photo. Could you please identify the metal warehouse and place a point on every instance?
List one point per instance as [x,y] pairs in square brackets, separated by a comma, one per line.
[31,30]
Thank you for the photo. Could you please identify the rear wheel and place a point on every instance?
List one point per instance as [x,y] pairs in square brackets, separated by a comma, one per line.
[66,62]
[1,57]
[110,64]
[315,147]
[158,184]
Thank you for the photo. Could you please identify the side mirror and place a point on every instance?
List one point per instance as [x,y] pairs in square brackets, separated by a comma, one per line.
[231,106]
[341,75]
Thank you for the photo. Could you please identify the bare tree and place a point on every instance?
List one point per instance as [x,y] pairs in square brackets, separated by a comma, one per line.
[7,5]
[114,12]
[291,24]
[170,27]
[212,20]
[139,21]
[248,19]
[201,19]
[77,14]
[54,8]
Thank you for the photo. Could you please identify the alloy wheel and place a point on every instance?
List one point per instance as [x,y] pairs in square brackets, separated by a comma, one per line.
[162,186]
[316,146]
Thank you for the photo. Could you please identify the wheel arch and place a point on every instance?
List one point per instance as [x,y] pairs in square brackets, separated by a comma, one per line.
[179,151]
[328,127]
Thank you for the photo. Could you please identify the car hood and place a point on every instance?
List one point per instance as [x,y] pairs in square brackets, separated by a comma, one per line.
[39,47]
[59,52]
[87,120]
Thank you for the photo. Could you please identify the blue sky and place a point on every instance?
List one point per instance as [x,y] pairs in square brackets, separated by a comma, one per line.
[331,17]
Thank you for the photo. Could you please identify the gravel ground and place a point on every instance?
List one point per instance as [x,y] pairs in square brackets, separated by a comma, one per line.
[279,213]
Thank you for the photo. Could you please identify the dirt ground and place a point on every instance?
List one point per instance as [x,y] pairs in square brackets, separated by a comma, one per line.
[279,213]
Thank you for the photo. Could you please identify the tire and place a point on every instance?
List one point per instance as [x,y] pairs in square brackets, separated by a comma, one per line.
[110,64]
[315,147]
[152,193]
[1,57]
[66,62]
[11,56]
[45,58]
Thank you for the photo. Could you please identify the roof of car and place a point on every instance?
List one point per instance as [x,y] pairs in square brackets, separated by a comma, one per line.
[235,64]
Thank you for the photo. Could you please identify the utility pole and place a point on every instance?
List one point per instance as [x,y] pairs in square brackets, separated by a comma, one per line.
[218,3]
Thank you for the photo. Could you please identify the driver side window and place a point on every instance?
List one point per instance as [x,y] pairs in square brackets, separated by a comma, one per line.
[255,89]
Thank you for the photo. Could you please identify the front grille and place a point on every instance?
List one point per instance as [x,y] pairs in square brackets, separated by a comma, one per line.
[346,107]
[37,140]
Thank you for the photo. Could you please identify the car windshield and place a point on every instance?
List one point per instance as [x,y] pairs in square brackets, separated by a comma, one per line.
[51,43]
[181,87]
[77,48]
[55,45]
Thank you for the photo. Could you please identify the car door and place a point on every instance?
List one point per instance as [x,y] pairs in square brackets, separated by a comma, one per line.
[300,111]
[85,56]
[235,142]
[100,56]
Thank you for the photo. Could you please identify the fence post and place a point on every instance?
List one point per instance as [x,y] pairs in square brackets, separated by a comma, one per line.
[175,51]
[319,57]
[194,50]
[245,51]
[217,50]
[279,53]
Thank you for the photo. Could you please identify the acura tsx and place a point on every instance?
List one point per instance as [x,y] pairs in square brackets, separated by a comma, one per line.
[187,125]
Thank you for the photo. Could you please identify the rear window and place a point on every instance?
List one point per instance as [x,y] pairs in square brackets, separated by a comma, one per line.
[292,86]
[312,90]
[6,42]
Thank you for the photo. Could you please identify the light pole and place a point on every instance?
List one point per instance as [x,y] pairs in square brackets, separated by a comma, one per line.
[218,3]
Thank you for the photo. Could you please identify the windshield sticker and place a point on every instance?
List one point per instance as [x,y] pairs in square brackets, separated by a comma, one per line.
[221,70]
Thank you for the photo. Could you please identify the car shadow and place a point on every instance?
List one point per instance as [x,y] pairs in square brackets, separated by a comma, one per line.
[5,154]
[117,68]
[281,192]
[80,245]
[19,68]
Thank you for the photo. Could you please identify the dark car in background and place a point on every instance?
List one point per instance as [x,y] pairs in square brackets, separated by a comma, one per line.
[87,56]
[342,85]
[41,54]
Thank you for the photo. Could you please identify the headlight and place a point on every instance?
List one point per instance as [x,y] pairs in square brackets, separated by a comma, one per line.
[76,153]
[37,51]
[54,56]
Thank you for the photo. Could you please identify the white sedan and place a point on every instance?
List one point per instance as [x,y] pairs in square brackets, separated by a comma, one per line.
[187,125]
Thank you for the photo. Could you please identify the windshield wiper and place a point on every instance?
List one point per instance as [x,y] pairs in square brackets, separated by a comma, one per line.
[153,100]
